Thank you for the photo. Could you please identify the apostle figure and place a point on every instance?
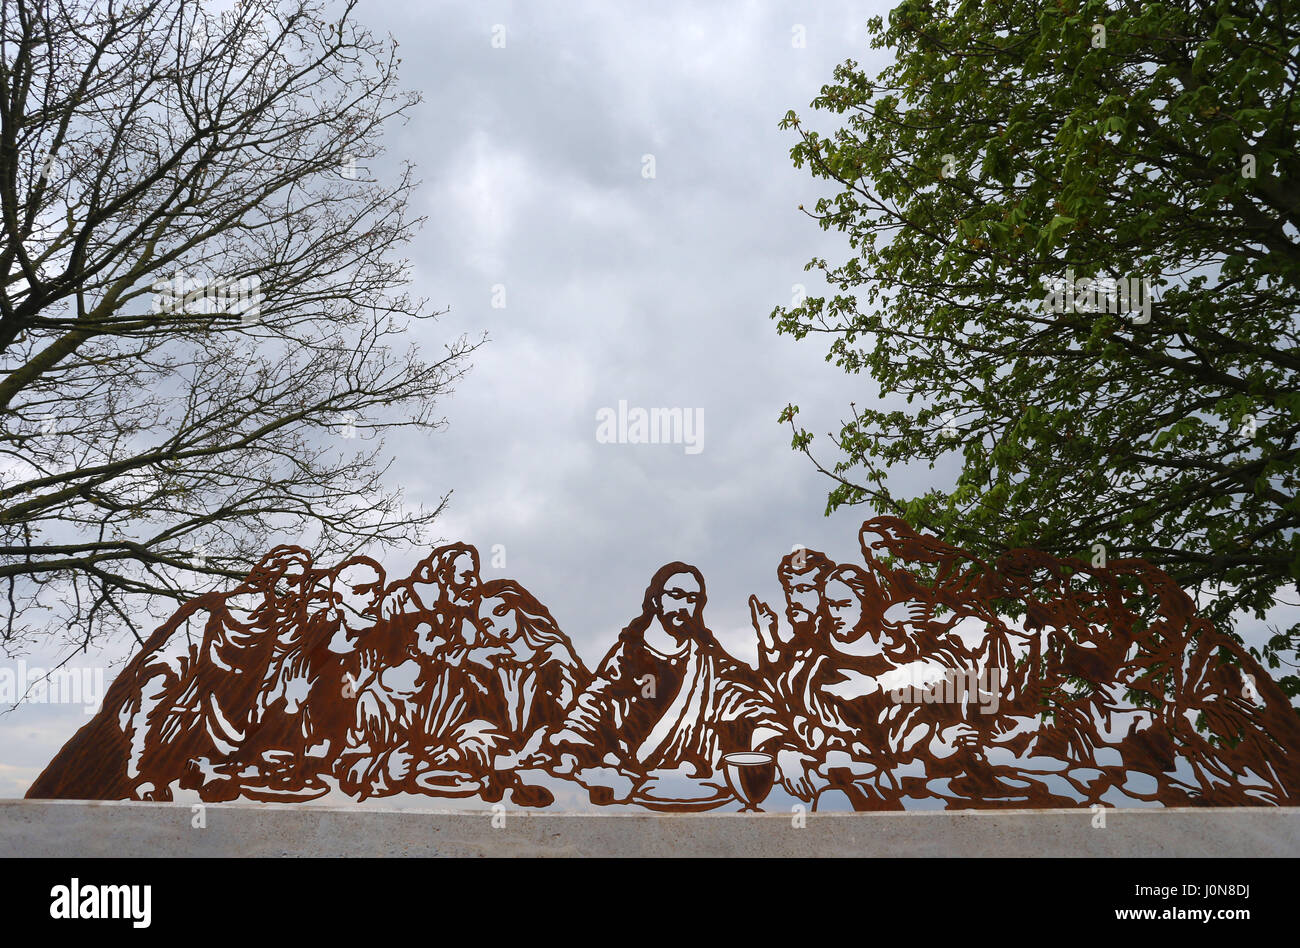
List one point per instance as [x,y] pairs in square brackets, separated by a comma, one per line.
[801,574]
[437,603]
[885,698]
[1147,703]
[664,706]
[306,700]
[217,703]
[162,670]
[115,755]
[455,572]
[463,641]
[844,721]
[414,728]
[411,596]
[537,672]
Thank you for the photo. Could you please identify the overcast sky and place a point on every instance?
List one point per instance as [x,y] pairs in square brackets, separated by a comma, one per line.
[618,287]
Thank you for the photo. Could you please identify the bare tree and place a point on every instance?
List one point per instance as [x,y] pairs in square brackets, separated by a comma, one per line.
[202,315]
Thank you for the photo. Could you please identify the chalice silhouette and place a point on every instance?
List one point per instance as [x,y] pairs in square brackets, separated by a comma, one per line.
[750,776]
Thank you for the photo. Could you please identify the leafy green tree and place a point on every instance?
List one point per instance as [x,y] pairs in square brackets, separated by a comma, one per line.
[1011,144]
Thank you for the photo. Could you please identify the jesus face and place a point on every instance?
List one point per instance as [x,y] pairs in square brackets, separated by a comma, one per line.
[680,603]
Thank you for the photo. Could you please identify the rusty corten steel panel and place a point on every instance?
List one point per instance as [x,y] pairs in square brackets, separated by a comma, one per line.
[891,683]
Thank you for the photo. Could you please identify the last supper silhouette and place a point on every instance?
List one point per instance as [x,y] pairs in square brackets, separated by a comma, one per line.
[920,676]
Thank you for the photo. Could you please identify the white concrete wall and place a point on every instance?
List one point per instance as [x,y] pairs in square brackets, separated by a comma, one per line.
[78,829]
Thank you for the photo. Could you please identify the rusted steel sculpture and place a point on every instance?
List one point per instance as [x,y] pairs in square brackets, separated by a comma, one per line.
[902,681]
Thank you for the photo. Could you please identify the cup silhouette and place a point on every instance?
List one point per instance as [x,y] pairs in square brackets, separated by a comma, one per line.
[750,776]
